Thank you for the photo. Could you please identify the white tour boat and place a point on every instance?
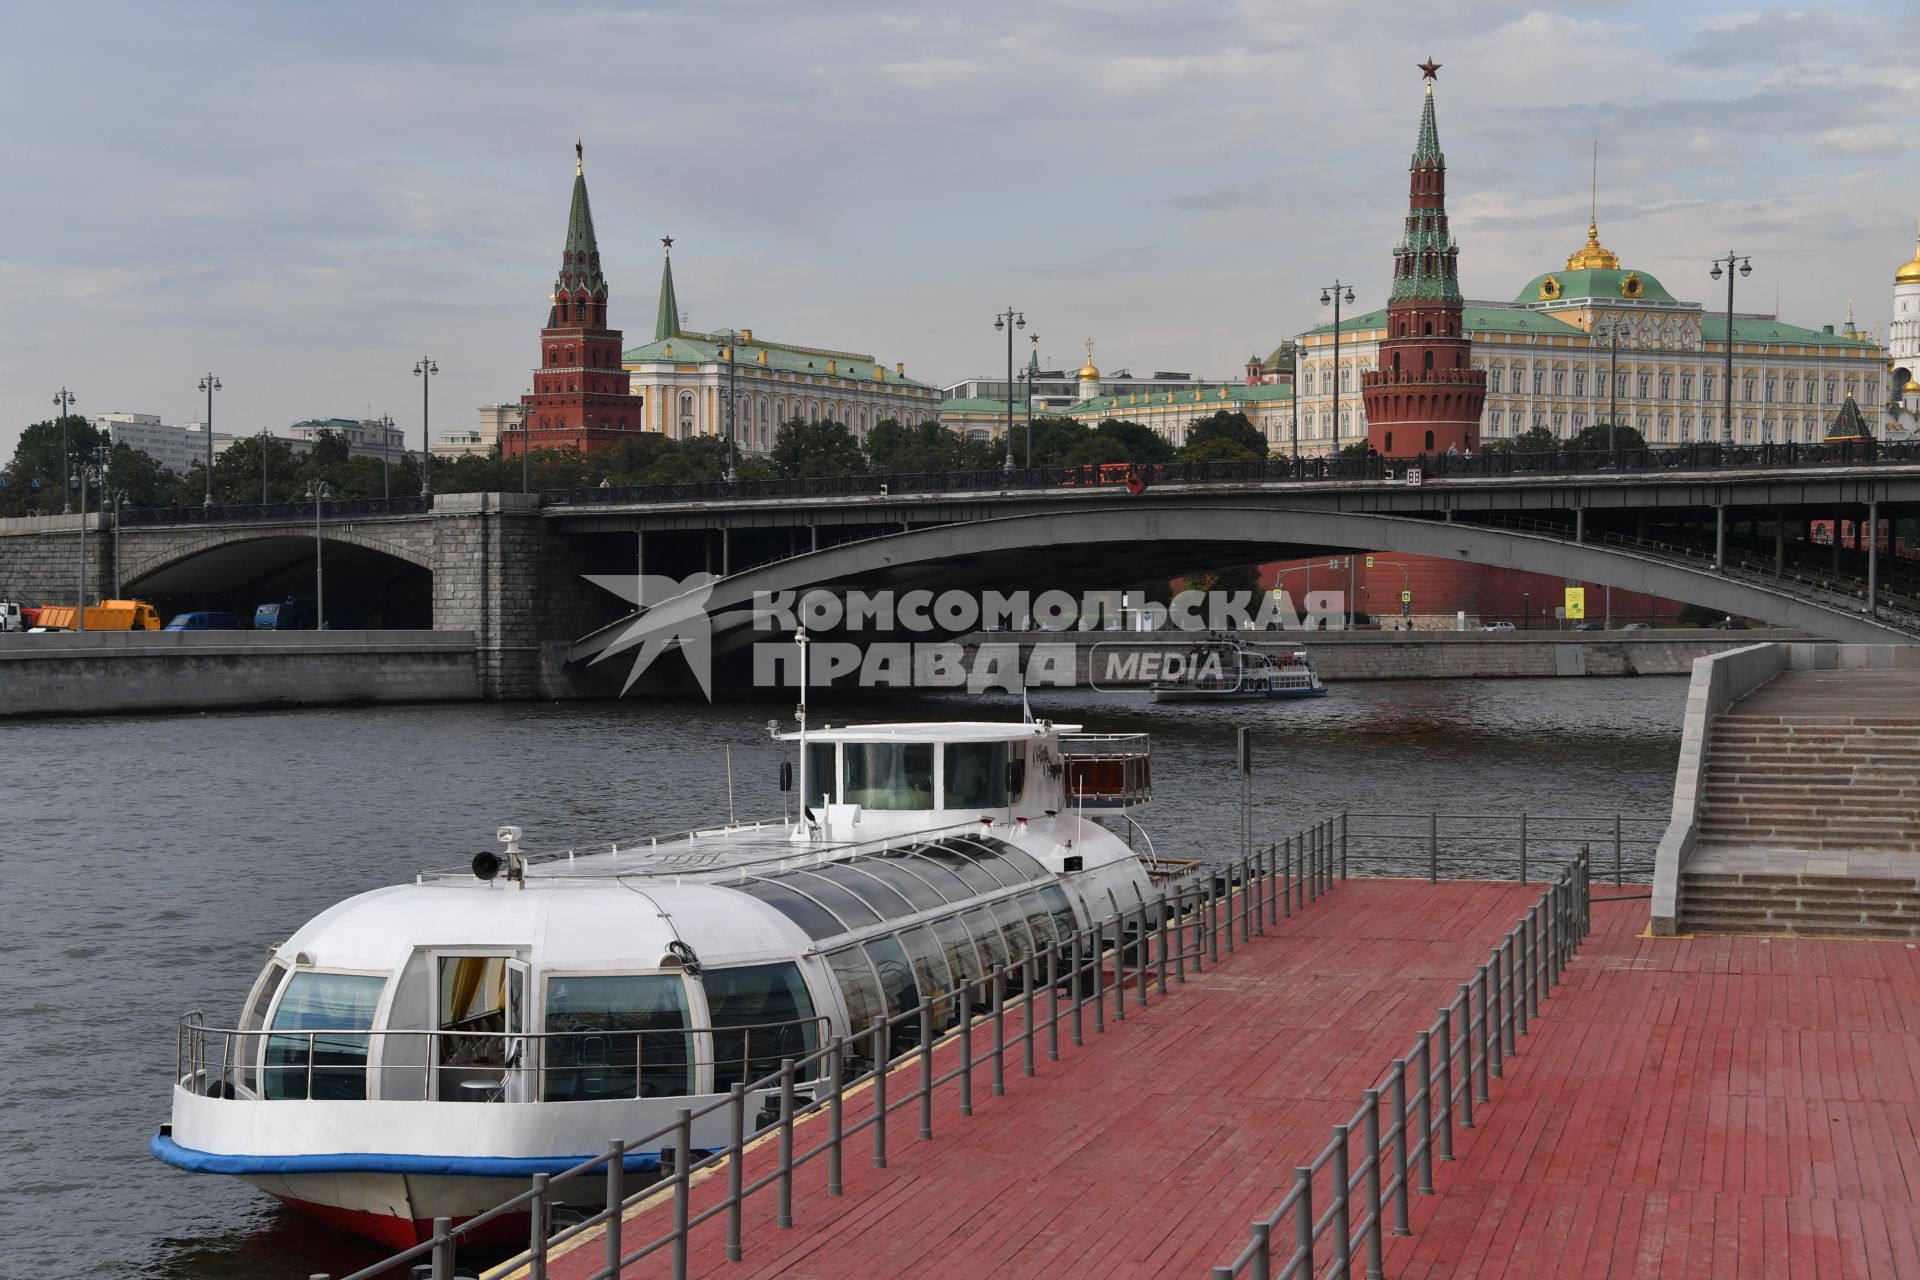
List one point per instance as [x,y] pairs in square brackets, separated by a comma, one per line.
[420,1050]
[1245,674]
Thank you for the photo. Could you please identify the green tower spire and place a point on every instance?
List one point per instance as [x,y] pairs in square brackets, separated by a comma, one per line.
[580,262]
[1427,257]
[666,321]
[1427,149]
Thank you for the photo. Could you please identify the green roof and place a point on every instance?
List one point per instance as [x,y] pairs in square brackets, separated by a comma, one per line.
[705,348]
[1103,407]
[1282,357]
[1756,330]
[1603,283]
[997,408]
[580,261]
[666,319]
[1348,324]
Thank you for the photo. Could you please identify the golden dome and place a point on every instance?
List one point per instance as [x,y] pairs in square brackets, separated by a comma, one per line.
[1910,273]
[1912,388]
[1087,372]
[1592,255]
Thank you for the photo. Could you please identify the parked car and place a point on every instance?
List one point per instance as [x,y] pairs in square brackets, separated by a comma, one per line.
[1590,626]
[284,615]
[1636,626]
[204,620]
[1730,624]
[1498,626]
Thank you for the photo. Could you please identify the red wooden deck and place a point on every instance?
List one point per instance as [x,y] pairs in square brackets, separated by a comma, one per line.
[1709,1107]
[1696,1107]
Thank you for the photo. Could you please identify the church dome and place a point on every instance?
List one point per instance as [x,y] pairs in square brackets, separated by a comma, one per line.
[1909,273]
[1087,372]
[1593,254]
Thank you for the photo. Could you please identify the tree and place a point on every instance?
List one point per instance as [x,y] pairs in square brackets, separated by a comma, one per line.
[1134,441]
[1240,577]
[893,448]
[32,480]
[1538,440]
[236,471]
[1218,449]
[1694,615]
[1233,428]
[822,448]
[1595,437]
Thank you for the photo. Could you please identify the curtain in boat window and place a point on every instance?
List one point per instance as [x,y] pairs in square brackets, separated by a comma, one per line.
[341,1004]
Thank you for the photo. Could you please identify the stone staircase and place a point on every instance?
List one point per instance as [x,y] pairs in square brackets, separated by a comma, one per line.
[1809,824]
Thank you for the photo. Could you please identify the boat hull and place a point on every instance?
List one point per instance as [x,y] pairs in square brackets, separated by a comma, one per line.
[1236,695]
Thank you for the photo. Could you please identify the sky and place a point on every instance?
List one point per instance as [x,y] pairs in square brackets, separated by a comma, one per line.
[306,199]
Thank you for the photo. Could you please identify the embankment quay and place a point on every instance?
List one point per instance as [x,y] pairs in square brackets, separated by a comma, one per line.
[139,672]
[1732,530]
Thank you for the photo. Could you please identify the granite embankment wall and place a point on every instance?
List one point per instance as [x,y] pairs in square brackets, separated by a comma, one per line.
[1419,655]
[133,672]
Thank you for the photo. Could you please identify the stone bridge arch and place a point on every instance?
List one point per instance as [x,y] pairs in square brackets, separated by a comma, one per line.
[165,548]
[1110,547]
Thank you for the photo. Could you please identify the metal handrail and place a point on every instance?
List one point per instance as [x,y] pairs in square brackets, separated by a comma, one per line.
[1499,1004]
[1415,843]
[1184,925]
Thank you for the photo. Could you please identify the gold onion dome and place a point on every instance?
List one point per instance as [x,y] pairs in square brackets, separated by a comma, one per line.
[1909,273]
[1087,372]
[1593,254]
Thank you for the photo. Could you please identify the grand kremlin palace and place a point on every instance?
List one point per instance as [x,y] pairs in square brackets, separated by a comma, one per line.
[1547,353]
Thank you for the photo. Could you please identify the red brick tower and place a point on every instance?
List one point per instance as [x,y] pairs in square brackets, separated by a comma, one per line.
[1425,397]
[581,395]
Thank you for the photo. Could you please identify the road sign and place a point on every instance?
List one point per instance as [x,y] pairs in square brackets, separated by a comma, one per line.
[1369,562]
[1406,597]
[1576,603]
[1413,477]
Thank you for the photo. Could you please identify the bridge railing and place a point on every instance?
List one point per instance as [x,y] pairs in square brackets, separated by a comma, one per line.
[232,513]
[1443,466]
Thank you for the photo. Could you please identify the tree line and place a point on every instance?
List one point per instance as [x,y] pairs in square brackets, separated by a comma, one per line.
[31,482]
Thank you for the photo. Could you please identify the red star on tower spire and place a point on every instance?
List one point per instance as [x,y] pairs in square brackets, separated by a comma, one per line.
[1429,68]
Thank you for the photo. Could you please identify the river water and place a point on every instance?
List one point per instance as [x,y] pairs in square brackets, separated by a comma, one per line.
[151,862]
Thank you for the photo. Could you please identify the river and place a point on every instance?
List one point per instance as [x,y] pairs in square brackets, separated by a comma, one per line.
[152,861]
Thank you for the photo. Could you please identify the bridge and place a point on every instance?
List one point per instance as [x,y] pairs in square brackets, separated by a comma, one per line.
[1724,528]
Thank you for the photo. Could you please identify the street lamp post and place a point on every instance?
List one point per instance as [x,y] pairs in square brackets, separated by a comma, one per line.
[386,455]
[318,491]
[95,471]
[425,370]
[1293,349]
[65,400]
[733,447]
[1746,269]
[264,436]
[209,384]
[1333,293]
[1010,320]
[1032,365]
[119,507]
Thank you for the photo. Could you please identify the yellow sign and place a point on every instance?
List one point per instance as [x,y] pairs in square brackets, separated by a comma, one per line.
[1576,602]
[1369,562]
[1406,597]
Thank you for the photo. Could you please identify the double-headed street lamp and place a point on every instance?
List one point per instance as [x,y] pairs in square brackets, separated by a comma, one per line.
[386,455]
[1010,320]
[733,446]
[64,399]
[318,491]
[1333,293]
[425,369]
[1033,367]
[94,471]
[209,384]
[1746,269]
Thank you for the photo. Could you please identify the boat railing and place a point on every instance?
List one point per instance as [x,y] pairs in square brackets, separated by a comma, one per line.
[581,1064]
[1107,771]
[1004,1021]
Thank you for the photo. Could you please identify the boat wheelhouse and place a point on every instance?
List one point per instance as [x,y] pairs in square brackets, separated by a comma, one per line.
[418,1050]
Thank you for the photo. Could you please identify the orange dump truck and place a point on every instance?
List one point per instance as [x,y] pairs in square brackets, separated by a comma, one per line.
[108,615]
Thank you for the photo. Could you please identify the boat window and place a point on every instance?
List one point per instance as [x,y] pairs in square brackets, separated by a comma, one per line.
[604,1031]
[857,986]
[1065,923]
[1025,863]
[935,873]
[255,1018]
[835,897]
[1013,925]
[760,1014]
[956,944]
[929,966]
[987,859]
[1017,774]
[901,992]
[1039,921]
[820,772]
[888,775]
[922,895]
[976,776]
[340,1004]
[889,902]
[795,906]
[986,935]
[976,877]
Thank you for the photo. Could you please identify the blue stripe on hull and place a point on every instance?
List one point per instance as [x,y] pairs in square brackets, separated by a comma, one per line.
[166,1150]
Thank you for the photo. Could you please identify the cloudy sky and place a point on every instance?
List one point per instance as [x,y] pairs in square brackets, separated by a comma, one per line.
[306,198]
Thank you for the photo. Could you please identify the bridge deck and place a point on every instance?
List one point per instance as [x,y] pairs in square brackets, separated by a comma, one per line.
[1700,1107]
